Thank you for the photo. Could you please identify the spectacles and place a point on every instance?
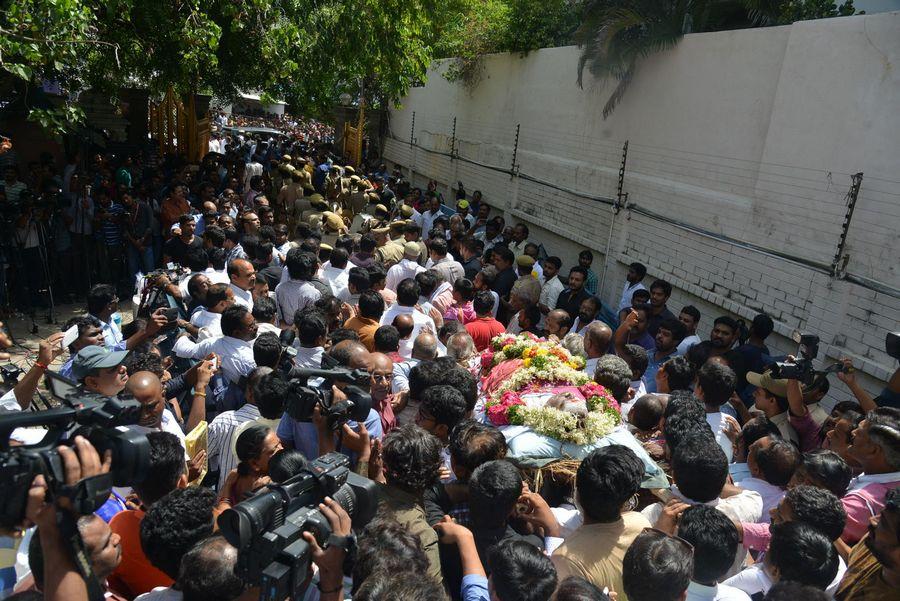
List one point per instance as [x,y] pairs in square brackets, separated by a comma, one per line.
[382,377]
[688,546]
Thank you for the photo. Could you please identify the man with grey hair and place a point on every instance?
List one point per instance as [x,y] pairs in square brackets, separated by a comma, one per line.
[596,343]
[613,373]
[207,571]
[424,349]
[461,348]
[876,448]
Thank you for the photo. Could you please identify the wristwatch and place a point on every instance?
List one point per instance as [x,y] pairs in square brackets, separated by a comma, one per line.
[345,543]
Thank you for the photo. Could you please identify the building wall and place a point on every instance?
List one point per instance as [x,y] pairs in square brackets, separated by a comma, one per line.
[741,148]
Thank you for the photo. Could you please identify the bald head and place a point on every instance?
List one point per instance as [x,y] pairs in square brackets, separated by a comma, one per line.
[242,274]
[350,353]
[404,324]
[148,391]
[209,207]
[144,384]
[596,339]
[425,347]
[379,362]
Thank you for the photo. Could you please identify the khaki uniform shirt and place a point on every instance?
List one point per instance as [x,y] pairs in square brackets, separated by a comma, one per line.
[333,187]
[596,552]
[410,513]
[389,254]
[288,195]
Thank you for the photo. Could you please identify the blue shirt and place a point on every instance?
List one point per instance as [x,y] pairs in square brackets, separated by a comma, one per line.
[474,588]
[653,365]
[304,437]
[111,229]
[112,335]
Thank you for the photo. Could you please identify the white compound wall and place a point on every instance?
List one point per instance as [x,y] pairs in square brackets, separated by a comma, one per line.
[741,148]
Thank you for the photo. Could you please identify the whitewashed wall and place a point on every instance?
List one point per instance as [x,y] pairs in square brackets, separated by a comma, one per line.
[747,139]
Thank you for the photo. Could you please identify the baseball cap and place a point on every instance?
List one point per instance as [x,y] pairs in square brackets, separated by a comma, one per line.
[463,204]
[766,381]
[95,357]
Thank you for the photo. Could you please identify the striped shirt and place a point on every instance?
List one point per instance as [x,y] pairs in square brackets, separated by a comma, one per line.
[220,431]
[111,229]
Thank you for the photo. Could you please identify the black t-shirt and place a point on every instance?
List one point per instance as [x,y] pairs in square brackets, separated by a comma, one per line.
[504,281]
[271,274]
[571,303]
[176,249]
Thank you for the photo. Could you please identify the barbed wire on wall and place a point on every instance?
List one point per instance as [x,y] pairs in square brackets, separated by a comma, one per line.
[664,182]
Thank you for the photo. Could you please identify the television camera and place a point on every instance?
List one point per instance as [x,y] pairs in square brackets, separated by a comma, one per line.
[267,528]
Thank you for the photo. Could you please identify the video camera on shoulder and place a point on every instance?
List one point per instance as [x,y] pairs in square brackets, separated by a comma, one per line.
[100,419]
[302,399]
[267,528]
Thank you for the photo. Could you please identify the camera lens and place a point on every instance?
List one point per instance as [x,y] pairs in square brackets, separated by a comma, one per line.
[346,498]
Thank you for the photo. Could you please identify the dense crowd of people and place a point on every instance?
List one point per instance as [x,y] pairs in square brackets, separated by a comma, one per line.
[273,255]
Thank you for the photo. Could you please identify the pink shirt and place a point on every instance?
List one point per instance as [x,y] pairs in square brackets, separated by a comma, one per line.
[463,314]
[865,499]
[443,297]
[756,536]
[807,431]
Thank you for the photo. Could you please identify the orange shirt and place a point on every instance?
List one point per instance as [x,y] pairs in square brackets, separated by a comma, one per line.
[135,574]
[365,328]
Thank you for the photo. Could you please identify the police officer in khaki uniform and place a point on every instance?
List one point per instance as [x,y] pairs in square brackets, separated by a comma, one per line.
[334,186]
[387,253]
[313,216]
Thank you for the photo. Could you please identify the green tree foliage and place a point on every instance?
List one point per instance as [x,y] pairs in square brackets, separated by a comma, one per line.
[614,35]
[475,28]
[305,51]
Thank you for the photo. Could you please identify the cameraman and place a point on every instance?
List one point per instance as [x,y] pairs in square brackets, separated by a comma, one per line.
[62,581]
[304,436]
[19,398]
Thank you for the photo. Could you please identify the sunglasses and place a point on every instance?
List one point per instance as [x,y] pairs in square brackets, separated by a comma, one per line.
[661,534]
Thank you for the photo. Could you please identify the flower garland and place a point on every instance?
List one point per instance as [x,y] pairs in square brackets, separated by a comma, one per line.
[546,364]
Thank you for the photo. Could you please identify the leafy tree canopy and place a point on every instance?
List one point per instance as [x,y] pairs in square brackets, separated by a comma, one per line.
[305,51]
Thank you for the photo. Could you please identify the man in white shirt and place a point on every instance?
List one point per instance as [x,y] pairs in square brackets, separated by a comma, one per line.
[266,313]
[408,267]
[552,287]
[218,298]
[102,303]
[424,349]
[407,297]
[428,217]
[234,347]
[243,278]
[772,463]
[155,417]
[636,273]
[596,344]
[715,385]
[336,272]
[700,470]
[310,341]
[296,292]
[690,317]
[715,540]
